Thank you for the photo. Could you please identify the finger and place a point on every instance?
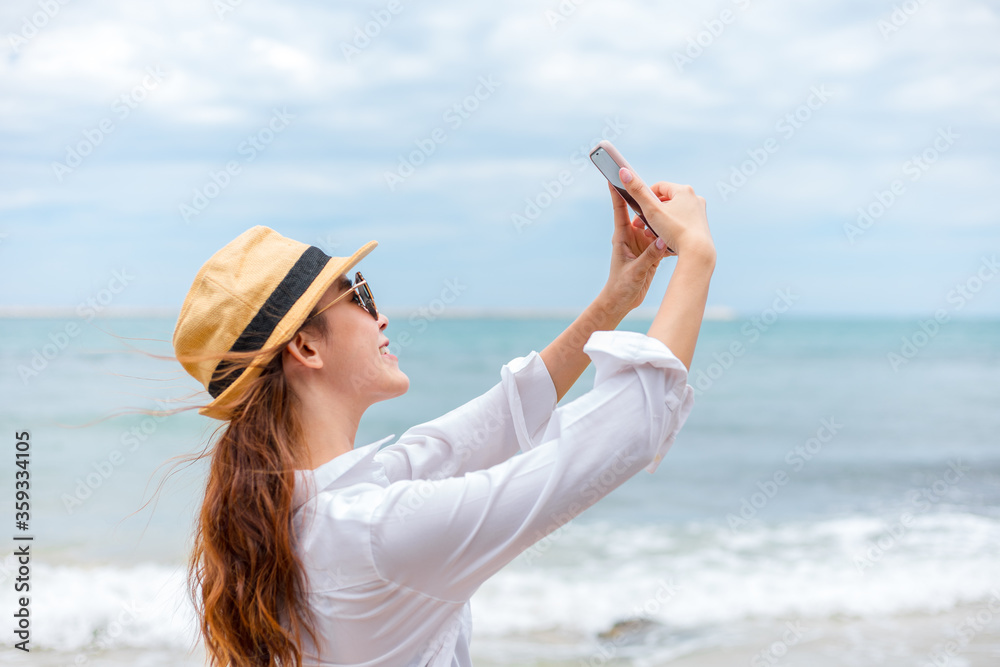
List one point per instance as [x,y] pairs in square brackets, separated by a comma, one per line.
[650,257]
[641,228]
[620,209]
[632,235]
[665,189]
[639,191]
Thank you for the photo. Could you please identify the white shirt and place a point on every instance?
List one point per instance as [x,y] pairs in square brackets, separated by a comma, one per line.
[396,540]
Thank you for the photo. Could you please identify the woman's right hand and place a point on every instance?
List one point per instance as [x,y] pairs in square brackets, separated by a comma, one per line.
[679,219]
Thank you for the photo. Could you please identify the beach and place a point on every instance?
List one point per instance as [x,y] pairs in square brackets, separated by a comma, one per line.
[822,505]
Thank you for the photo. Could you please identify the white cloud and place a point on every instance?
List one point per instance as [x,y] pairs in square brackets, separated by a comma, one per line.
[558,87]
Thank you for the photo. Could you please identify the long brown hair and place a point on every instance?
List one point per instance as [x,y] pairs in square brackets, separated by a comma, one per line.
[245,579]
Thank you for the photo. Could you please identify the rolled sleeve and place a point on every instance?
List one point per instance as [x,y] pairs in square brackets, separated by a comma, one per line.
[445,537]
[614,351]
[510,416]
[531,397]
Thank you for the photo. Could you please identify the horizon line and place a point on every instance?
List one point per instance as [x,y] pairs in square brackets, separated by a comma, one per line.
[712,313]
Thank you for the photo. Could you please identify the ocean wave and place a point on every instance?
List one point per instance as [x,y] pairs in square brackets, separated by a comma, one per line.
[91,609]
[587,577]
[591,576]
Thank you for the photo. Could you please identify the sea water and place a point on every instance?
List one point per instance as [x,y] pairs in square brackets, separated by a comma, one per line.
[834,498]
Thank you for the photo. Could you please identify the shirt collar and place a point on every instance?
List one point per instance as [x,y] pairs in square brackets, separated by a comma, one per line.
[327,473]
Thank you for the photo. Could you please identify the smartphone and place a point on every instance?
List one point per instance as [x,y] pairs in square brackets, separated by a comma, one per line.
[608,161]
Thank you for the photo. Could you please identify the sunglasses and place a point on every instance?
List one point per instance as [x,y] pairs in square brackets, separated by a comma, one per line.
[362,296]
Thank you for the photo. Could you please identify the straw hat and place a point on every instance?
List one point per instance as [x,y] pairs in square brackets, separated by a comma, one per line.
[253,293]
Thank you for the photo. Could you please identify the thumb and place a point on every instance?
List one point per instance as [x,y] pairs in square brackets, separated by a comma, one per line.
[651,255]
[639,191]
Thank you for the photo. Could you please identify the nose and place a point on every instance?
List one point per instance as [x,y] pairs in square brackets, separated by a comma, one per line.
[383,321]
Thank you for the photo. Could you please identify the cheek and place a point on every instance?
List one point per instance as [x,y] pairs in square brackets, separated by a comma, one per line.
[361,364]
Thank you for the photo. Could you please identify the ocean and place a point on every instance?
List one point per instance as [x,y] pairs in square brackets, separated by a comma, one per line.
[834,498]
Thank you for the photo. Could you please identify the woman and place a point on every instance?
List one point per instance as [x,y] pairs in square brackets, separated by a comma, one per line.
[311,551]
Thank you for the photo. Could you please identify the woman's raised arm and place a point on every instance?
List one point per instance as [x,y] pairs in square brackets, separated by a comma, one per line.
[682,223]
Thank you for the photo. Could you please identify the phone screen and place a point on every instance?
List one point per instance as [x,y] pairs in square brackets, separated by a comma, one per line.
[607,165]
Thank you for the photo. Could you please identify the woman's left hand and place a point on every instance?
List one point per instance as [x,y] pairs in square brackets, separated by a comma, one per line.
[634,257]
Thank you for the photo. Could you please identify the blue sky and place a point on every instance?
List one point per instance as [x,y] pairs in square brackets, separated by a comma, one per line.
[118,114]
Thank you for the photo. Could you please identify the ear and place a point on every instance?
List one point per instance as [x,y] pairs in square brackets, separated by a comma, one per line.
[302,348]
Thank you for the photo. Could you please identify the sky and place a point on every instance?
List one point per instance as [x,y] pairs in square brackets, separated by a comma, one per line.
[848,151]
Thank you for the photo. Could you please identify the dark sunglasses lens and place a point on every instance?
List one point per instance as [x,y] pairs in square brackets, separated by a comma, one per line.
[368,301]
[365,295]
